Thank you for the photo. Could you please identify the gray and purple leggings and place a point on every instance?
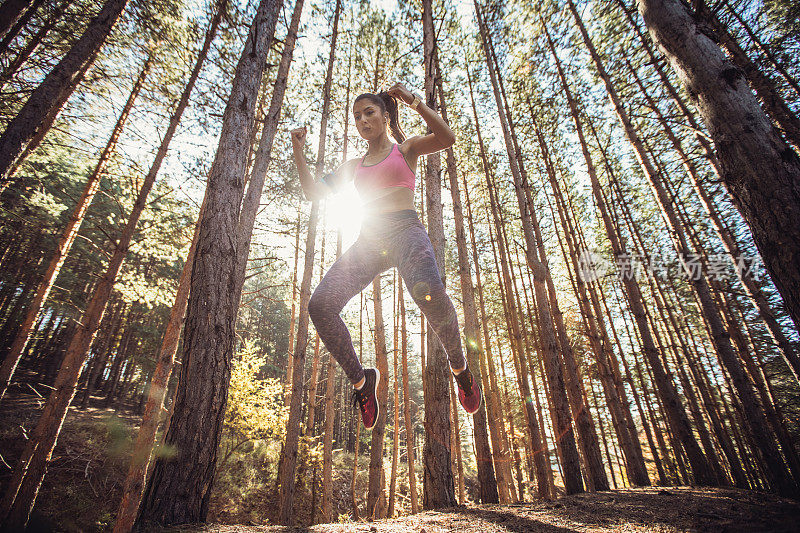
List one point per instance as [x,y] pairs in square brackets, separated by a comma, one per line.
[386,240]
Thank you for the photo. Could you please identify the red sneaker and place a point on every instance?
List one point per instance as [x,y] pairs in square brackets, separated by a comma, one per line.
[366,398]
[469,392]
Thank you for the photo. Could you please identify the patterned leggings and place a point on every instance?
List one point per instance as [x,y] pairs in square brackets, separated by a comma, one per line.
[386,240]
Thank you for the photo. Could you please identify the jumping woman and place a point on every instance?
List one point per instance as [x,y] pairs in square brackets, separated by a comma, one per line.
[391,236]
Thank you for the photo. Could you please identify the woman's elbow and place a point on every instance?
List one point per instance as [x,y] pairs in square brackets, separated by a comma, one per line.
[448,139]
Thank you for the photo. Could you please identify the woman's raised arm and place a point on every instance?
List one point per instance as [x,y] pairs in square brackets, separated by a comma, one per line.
[441,135]
[312,189]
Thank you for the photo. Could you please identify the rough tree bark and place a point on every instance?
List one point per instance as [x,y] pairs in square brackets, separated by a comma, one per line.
[157,389]
[438,474]
[760,170]
[255,185]
[287,386]
[486,478]
[397,287]
[179,488]
[764,87]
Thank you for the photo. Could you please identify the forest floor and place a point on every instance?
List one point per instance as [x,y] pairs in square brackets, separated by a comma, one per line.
[650,509]
[83,486]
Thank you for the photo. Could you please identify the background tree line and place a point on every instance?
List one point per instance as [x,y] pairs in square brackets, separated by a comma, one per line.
[158,256]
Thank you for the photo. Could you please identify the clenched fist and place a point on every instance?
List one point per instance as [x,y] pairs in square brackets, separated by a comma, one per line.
[399,91]
[299,136]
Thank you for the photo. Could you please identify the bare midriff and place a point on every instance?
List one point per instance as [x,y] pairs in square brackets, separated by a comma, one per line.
[390,199]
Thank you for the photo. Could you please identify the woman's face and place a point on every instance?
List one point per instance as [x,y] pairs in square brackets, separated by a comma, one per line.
[370,122]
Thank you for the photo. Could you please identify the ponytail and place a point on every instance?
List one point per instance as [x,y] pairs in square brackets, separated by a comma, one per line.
[390,102]
[387,104]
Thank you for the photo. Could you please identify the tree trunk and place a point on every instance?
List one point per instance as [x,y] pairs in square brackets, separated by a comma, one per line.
[353,500]
[731,247]
[409,426]
[287,395]
[313,382]
[327,445]
[764,49]
[49,97]
[68,237]
[486,477]
[376,494]
[771,100]
[438,475]
[179,488]
[9,32]
[497,430]
[539,459]
[13,10]
[760,170]
[587,435]
[156,391]
[289,455]
[458,464]
[565,437]
[518,490]
[252,199]
[27,479]
[396,288]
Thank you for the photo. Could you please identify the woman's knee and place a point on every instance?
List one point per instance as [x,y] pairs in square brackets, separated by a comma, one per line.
[436,304]
[426,292]
[319,308]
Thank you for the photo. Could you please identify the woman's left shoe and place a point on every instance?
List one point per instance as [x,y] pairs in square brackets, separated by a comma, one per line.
[367,398]
[469,391]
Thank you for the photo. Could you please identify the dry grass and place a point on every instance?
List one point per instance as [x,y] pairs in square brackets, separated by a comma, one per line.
[82,489]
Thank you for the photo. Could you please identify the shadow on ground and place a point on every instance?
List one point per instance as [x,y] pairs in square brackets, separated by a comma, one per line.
[650,509]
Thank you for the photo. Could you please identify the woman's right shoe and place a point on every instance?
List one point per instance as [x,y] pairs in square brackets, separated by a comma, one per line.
[469,392]
[367,399]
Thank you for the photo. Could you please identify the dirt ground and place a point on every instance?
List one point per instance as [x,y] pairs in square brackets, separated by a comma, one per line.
[649,509]
[85,475]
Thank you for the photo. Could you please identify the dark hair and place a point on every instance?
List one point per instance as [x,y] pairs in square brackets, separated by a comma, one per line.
[387,103]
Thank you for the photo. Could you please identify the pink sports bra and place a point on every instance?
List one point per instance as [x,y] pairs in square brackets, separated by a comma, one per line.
[393,171]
